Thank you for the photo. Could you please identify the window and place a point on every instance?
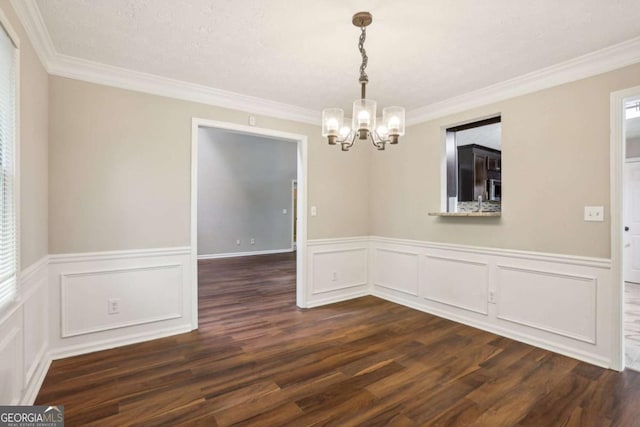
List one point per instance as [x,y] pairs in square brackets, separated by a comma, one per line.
[8,162]
[474,166]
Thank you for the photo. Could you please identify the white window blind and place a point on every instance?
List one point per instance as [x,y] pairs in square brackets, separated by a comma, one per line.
[8,255]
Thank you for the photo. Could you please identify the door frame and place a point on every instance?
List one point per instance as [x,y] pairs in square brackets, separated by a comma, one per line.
[302,166]
[294,214]
[618,100]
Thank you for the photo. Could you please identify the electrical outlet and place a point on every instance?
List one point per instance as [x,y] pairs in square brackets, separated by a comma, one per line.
[594,213]
[334,276]
[492,297]
[284,211]
[238,242]
[314,211]
[252,120]
[253,241]
[113,306]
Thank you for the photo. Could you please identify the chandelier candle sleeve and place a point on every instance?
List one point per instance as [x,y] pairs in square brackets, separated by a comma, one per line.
[364,115]
[332,119]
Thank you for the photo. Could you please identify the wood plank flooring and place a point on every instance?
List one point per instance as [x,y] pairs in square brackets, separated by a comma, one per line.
[257,360]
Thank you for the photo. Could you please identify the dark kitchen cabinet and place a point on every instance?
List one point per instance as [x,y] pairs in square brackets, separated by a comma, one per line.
[476,166]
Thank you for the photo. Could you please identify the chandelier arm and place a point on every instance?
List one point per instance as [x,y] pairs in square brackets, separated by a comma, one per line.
[345,144]
[376,140]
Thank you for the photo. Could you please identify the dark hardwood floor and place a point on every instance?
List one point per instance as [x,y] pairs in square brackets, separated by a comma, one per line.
[259,360]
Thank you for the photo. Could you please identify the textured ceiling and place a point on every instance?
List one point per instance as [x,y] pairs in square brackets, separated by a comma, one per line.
[304,52]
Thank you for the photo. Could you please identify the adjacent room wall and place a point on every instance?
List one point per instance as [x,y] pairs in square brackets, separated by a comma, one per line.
[23,325]
[244,183]
[555,155]
[119,170]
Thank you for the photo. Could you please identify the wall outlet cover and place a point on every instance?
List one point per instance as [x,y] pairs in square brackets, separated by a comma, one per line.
[594,213]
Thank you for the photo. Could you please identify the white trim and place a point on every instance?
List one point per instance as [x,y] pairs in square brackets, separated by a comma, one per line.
[75,350]
[616,159]
[112,255]
[505,332]
[512,253]
[582,278]
[338,298]
[338,241]
[294,186]
[302,176]
[64,308]
[31,391]
[94,72]
[591,64]
[6,24]
[34,269]
[484,312]
[240,254]
[29,371]
[600,61]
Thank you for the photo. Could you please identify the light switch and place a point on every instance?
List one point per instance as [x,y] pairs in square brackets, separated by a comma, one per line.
[594,213]
[284,211]
[314,211]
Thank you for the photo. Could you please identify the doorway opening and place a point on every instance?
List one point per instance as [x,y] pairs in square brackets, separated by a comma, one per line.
[248,231]
[631,235]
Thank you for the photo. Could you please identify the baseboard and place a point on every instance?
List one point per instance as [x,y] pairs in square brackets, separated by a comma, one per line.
[524,338]
[31,392]
[338,298]
[250,253]
[76,350]
[552,301]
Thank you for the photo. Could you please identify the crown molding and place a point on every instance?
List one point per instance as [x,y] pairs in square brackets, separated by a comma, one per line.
[591,64]
[31,19]
[94,72]
[81,69]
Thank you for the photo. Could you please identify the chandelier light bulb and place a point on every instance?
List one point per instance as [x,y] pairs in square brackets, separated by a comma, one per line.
[332,124]
[363,120]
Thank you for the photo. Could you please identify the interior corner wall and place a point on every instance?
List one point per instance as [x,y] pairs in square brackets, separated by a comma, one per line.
[555,161]
[245,192]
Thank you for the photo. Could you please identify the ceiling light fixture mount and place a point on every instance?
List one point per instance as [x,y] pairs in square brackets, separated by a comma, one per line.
[363,125]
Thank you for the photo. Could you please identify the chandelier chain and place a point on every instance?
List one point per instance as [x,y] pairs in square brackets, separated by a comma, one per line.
[365,59]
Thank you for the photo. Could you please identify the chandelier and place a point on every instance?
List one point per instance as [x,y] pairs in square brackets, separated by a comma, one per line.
[363,122]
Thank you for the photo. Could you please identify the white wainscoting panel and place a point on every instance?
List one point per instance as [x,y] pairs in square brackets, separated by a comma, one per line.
[145,294]
[396,270]
[456,281]
[153,288]
[560,303]
[36,329]
[337,270]
[11,362]
[23,338]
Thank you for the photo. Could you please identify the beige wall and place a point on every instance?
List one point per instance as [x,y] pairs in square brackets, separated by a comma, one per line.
[119,170]
[33,147]
[555,161]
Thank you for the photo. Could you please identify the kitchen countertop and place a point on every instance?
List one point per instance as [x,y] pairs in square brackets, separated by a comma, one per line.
[466,214]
